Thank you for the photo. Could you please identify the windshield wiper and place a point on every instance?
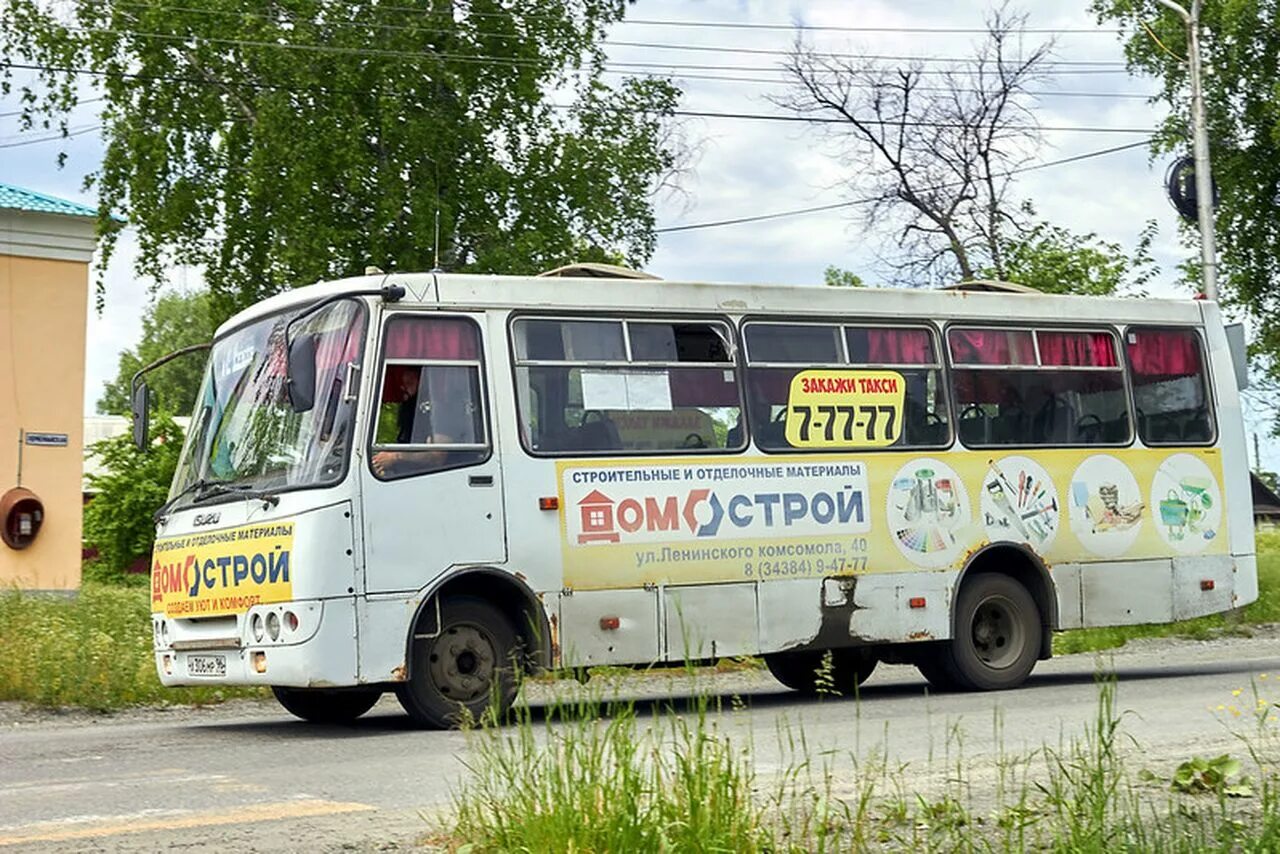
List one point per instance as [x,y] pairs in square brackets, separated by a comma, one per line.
[216,490]
[202,483]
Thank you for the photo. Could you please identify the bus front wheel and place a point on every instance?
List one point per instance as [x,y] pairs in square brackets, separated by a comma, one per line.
[321,706]
[465,669]
[997,640]
[808,672]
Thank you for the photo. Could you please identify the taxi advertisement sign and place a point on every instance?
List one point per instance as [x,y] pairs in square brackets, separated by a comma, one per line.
[845,409]
[222,572]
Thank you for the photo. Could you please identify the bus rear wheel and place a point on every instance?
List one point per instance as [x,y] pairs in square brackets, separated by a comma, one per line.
[997,640]
[465,670]
[803,670]
[322,706]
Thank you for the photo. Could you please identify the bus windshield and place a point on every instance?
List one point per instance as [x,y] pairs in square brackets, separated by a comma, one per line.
[245,433]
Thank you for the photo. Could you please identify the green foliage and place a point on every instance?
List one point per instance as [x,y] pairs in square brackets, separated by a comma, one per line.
[173,321]
[836,277]
[277,145]
[93,651]
[1241,48]
[1218,776]
[1055,260]
[118,521]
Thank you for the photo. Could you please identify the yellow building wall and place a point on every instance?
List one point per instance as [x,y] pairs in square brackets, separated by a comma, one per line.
[43,306]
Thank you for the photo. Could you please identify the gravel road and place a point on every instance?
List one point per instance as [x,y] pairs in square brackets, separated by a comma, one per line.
[247,777]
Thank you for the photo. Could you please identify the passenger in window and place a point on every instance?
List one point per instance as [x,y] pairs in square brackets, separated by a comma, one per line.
[396,426]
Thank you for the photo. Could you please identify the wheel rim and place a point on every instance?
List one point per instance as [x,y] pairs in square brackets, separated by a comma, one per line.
[463,662]
[997,633]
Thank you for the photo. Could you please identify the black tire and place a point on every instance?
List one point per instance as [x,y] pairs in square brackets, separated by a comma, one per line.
[466,668]
[997,640]
[850,667]
[322,706]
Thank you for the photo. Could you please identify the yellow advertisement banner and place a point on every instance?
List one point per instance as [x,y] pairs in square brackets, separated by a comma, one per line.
[701,520]
[222,572]
[845,409]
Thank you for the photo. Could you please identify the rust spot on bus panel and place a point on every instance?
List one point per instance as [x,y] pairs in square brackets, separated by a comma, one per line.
[919,636]
[399,674]
[554,622]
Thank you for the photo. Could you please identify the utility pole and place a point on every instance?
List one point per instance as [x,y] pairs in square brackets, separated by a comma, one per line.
[1200,148]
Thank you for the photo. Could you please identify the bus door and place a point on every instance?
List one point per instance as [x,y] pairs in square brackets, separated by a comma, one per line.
[433,483]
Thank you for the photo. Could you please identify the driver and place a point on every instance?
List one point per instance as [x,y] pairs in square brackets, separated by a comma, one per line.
[397,424]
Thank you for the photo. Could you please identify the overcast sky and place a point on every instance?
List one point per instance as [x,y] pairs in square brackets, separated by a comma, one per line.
[744,168]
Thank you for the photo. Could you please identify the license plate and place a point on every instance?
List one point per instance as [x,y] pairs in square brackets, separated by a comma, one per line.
[206,665]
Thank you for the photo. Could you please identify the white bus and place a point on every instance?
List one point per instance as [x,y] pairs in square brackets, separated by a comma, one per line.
[422,483]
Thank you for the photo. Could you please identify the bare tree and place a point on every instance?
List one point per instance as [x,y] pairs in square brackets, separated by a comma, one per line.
[930,151]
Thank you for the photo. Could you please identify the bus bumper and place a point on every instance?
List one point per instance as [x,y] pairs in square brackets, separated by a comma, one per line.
[318,651]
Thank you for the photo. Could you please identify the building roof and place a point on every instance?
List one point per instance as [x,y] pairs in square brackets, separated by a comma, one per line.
[20,199]
[1265,501]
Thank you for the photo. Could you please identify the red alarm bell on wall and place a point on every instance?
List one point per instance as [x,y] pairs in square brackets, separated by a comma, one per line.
[21,515]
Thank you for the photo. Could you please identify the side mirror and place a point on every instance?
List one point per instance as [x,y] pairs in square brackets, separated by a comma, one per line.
[141,407]
[301,379]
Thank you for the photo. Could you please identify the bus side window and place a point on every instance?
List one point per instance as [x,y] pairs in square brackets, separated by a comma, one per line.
[777,352]
[626,386]
[1042,387]
[1169,387]
[430,409]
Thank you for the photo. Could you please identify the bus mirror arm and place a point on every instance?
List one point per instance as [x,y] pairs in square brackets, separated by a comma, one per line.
[140,394]
[300,355]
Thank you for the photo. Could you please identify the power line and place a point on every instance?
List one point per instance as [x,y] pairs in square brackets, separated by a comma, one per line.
[901,123]
[867,56]
[613,63]
[12,113]
[726,25]
[487,59]
[1035,93]
[706,114]
[53,138]
[857,202]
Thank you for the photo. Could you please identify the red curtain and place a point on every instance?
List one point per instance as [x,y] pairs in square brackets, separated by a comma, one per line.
[991,347]
[898,346]
[432,338]
[703,387]
[1077,349]
[1164,353]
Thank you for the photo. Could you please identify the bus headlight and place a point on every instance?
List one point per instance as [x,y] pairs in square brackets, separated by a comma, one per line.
[255,626]
[273,625]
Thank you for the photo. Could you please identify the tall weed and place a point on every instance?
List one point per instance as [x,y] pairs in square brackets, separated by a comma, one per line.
[92,650]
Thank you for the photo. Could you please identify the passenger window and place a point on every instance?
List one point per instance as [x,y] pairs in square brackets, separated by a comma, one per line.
[1169,387]
[431,405]
[849,366]
[676,390]
[785,343]
[1038,387]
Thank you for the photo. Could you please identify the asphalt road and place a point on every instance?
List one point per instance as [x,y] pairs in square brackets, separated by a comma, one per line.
[247,777]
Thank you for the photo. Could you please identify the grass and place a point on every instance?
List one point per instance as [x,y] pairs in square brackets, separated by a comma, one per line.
[92,651]
[603,779]
[595,778]
[1265,610]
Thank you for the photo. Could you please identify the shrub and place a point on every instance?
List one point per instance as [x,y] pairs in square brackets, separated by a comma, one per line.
[118,521]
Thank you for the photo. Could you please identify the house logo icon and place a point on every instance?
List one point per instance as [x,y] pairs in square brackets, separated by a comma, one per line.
[597,519]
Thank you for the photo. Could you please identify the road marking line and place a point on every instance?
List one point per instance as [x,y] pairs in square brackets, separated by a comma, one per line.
[105,783]
[237,815]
